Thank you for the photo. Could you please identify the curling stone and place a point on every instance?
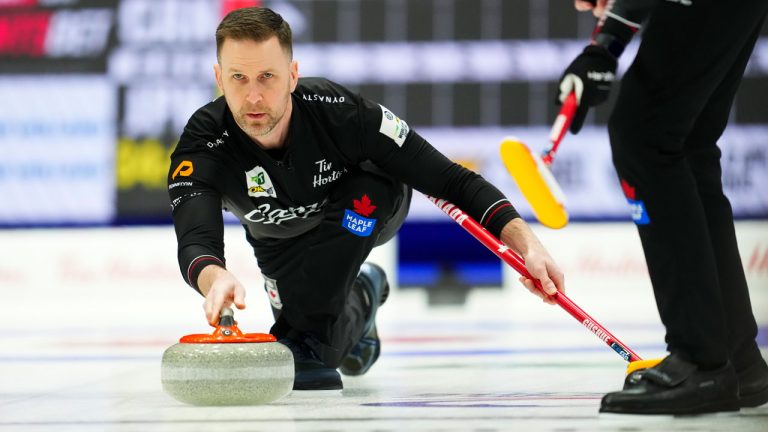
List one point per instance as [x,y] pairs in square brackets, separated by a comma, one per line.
[228,367]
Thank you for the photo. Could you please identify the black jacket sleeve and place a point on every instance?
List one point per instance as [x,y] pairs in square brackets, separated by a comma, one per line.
[390,143]
[196,204]
[621,20]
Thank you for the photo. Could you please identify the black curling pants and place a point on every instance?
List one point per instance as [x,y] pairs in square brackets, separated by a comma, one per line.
[672,107]
[310,278]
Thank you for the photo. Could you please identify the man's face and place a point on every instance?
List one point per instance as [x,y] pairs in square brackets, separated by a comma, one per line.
[257,79]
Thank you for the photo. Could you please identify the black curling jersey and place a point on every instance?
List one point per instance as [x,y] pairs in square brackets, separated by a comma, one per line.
[332,130]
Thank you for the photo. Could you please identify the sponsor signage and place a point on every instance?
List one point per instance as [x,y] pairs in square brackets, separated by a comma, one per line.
[65,36]
[584,170]
[162,66]
[150,62]
[57,146]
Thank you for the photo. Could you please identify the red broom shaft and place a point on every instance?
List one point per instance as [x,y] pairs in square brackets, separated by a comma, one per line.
[560,127]
[511,258]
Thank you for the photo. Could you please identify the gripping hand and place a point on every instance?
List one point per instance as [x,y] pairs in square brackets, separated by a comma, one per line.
[590,76]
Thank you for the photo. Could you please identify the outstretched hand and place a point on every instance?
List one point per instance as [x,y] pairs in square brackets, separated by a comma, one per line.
[221,289]
[597,6]
[517,235]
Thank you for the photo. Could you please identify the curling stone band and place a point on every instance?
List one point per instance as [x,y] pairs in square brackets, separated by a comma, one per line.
[227,367]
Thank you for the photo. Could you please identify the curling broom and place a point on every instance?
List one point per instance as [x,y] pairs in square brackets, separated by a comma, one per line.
[516,262]
[532,174]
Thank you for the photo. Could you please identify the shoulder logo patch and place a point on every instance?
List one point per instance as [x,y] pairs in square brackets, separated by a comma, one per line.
[356,221]
[259,184]
[393,127]
[322,98]
[185,169]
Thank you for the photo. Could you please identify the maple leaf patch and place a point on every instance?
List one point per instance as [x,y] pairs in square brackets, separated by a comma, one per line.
[363,206]
[628,190]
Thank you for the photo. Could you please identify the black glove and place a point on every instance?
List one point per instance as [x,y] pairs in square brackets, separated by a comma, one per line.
[590,76]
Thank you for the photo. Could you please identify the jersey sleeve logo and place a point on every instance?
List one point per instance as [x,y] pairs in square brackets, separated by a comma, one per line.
[259,184]
[356,221]
[363,206]
[185,169]
[273,293]
[393,127]
[636,206]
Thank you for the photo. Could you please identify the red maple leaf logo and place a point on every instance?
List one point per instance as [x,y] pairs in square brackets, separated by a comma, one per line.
[363,206]
[629,191]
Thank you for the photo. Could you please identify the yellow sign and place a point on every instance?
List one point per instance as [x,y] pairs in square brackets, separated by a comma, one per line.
[144,163]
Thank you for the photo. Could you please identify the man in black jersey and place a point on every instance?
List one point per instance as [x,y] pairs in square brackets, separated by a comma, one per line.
[318,176]
[672,107]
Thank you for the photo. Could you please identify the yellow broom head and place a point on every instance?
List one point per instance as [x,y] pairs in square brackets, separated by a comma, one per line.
[536,182]
[642,364]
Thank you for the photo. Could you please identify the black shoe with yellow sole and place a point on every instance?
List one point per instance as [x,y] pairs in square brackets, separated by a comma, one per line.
[677,386]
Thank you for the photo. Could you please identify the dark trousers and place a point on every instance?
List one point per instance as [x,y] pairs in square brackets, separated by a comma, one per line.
[672,107]
[313,274]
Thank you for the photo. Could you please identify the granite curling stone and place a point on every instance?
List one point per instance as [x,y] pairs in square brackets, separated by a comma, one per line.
[227,367]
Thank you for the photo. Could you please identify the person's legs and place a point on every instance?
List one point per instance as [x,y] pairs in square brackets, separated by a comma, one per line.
[704,160]
[703,157]
[672,108]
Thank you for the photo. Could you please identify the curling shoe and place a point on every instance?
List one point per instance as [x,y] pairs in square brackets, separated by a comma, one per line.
[364,354]
[753,385]
[676,386]
[310,372]
[633,379]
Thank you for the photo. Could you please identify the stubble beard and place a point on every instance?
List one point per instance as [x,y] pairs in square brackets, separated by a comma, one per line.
[255,130]
[263,129]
